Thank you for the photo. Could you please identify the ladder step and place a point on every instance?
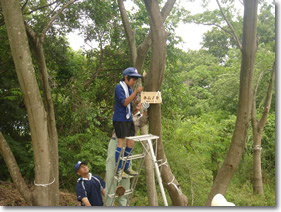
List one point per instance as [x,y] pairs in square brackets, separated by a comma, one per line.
[142,137]
[127,192]
[133,157]
[116,177]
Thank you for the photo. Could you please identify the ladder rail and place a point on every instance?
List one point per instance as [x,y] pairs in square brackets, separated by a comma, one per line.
[118,175]
[135,180]
[142,137]
[138,169]
[149,138]
[113,178]
[158,173]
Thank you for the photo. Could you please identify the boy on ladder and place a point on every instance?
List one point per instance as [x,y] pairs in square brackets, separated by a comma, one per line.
[122,117]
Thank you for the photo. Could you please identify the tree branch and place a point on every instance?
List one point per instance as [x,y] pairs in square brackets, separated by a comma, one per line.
[230,26]
[31,34]
[216,25]
[128,30]
[53,19]
[24,5]
[144,46]
[254,104]
[14,170]
[268,98]
[42,7]
[98,69]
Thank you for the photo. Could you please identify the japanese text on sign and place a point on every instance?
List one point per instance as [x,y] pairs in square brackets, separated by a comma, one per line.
[151,97]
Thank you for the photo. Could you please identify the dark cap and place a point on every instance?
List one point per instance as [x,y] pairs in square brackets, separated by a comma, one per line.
[131,71]
[78,164]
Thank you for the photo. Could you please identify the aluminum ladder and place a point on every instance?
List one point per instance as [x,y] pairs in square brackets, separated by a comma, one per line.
[142,139]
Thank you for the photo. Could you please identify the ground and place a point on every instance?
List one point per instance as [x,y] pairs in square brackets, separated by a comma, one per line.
[9,196]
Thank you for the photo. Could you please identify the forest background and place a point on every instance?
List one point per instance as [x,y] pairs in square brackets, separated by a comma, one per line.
[199,92]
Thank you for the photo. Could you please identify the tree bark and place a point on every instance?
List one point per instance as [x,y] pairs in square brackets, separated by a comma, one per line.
[15,173]
[51,123]
[238,141]
[35,109]
[154,80]
[41,113]
[258,127]
[130,33]
[37,40]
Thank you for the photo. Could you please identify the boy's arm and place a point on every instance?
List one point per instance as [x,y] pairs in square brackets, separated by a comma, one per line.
[132,96]
[86,202]
[103,192]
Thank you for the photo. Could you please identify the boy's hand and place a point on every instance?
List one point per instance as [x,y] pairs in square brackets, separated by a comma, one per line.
[139,89]
[139,106]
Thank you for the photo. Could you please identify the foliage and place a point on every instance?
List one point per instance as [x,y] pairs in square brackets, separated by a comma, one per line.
[23,155]
[90,146]
[188,84]
[199,144]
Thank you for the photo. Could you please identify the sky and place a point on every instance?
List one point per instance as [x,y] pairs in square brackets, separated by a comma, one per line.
[190,33]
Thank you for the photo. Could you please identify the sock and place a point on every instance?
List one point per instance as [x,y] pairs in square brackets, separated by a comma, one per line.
[127,152]
[117,153]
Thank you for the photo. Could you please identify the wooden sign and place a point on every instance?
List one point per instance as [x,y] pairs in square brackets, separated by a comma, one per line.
[151,97]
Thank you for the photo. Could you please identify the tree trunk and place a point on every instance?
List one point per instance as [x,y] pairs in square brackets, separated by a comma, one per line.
[51,122]
[149,174]
[258,127]
[154,81]
[238,141]
[257,171]
[138,56]
[14,170]
[35,109]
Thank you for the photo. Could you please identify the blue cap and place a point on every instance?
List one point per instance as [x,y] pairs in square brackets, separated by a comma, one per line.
[131,71]
[78,164]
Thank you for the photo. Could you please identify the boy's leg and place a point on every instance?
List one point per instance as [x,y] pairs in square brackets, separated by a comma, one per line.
[118,151]
[128,151]
[129,146]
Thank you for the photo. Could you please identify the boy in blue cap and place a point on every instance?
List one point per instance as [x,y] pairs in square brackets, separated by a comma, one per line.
[89,188]
[122,117]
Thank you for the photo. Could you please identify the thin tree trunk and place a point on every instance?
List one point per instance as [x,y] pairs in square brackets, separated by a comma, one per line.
[258,127]
[14,170]
[51,122]
[257,170]
[237,145]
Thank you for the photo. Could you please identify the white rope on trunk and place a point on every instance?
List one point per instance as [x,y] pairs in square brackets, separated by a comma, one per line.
[45,185]
[172,182]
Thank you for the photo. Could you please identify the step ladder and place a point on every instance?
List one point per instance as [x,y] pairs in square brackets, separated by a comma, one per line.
[143,140]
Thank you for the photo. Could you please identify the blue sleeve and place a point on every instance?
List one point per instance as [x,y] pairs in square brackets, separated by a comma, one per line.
[80,192]
[120,94]
[130,91]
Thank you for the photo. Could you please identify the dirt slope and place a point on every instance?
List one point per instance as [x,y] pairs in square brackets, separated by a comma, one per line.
[9,196]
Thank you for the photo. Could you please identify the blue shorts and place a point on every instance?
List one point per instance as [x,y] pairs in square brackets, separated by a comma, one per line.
[124,128]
